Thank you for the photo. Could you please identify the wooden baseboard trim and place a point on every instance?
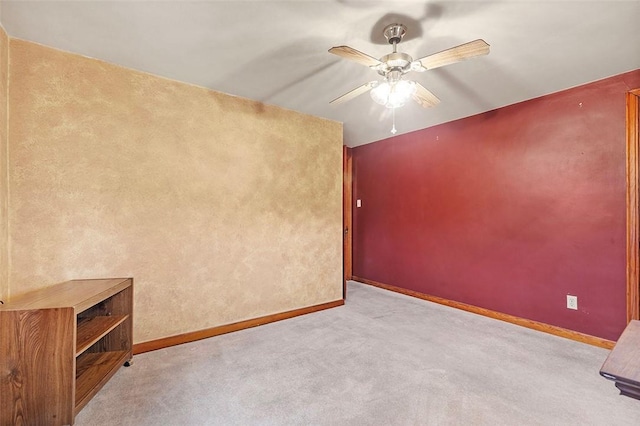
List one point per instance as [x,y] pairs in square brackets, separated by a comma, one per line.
[192,336]
[534,325]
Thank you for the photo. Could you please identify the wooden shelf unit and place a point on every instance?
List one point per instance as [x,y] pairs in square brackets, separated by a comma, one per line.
[60,345]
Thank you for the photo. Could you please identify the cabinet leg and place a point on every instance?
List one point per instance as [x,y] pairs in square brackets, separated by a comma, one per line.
[128,363]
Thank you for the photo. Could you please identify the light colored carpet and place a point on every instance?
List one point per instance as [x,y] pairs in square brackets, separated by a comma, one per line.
[382,359]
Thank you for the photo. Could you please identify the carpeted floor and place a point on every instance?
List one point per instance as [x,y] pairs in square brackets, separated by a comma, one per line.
[382,359]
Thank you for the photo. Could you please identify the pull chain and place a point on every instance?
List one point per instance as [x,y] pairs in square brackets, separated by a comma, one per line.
[393,128]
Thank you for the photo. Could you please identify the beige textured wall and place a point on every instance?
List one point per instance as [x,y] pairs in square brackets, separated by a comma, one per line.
[4,184]
[222,209]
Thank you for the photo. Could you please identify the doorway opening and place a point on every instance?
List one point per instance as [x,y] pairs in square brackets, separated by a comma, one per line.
[347,218]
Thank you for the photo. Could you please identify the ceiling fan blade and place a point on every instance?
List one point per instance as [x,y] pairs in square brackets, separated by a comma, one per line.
[353,93]
[424,97]
[455,54]
[355,55]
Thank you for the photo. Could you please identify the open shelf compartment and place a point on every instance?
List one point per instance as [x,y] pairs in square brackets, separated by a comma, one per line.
[93,370]
[92,329]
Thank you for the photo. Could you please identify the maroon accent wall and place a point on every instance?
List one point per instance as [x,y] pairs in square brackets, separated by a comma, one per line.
[510,210]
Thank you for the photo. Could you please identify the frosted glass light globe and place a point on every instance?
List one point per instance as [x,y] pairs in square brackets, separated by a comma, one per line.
[380,93]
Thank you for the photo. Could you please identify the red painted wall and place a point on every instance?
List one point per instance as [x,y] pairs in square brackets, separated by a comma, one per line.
[509,210]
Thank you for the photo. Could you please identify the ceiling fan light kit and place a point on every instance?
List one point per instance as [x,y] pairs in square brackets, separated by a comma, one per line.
[393,92]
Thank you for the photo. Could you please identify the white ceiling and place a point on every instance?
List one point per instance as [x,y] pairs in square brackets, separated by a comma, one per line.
[276,51]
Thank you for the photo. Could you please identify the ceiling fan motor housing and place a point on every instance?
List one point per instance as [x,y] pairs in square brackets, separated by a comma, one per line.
[396,61]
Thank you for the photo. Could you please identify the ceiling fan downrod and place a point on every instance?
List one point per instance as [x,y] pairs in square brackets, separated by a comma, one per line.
[394,34]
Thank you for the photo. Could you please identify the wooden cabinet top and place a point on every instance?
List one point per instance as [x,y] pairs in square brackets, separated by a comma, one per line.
[77,294]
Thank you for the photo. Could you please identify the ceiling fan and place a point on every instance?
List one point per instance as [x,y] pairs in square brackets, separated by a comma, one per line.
[393,91]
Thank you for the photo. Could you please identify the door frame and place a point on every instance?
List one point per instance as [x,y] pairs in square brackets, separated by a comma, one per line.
[633,221]
[347,218]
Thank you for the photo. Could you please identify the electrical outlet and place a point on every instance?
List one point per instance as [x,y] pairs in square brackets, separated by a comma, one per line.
[572,302]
